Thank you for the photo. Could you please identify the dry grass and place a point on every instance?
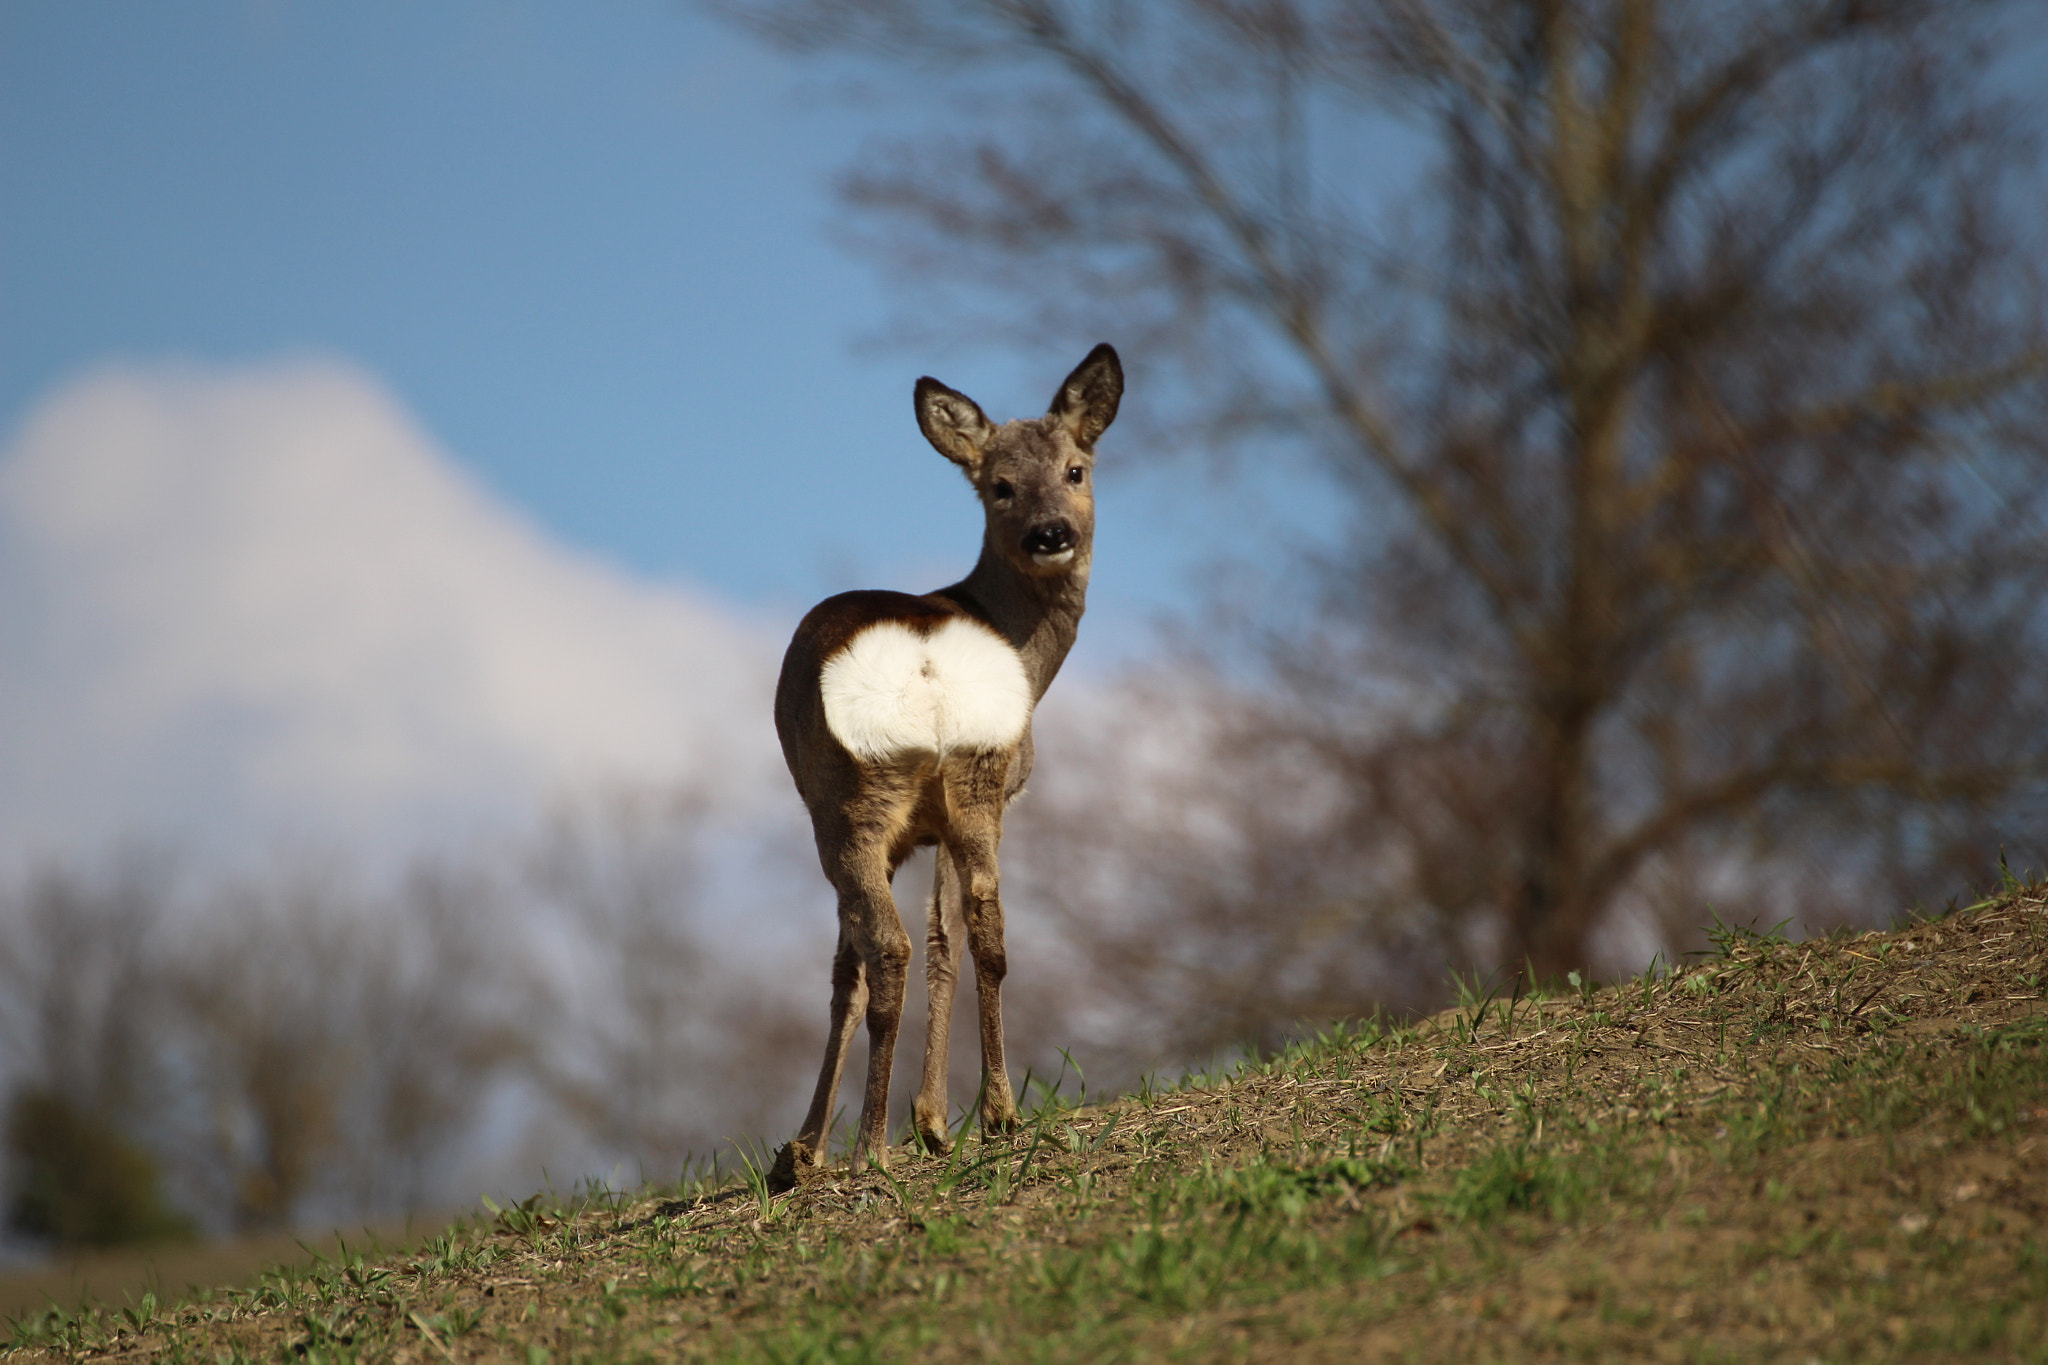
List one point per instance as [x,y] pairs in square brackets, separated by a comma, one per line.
[180,1270]
[1832,1150]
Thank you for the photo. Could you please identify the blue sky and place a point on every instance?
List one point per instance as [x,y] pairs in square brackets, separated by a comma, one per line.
[589,246]
[408,407]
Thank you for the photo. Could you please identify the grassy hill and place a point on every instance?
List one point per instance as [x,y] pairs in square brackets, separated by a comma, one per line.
[1831,1150]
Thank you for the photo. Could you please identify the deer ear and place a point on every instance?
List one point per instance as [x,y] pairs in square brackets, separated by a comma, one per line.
[1087,401]
[952,422]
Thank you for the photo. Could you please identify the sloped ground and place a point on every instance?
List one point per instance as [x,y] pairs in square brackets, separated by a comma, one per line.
[1832,1150]
[184,1268]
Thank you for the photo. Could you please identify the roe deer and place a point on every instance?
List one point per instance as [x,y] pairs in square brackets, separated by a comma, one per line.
[906,721]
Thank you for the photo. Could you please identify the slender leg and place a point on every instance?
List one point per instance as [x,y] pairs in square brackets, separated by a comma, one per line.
[941,974]
[855,841]
[869,910]
[975,804]
[984,915]
[849,1000]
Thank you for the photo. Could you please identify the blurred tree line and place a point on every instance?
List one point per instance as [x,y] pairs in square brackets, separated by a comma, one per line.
[287,1049]
[623,996]
[1678,368]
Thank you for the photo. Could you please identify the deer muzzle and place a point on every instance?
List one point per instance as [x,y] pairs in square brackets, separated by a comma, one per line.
[1051,543]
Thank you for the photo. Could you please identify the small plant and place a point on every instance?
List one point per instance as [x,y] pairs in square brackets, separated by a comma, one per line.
[1383,1114]
[911,1214]
[1471,998]
[321,1330]
[141,1315]
[1512,1177]
[1289,1189]
[755,1165]
[1582,985]
[523,1219]
[1731,940]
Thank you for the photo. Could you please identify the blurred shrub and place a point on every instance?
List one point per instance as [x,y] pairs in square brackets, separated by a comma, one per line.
[78,1182]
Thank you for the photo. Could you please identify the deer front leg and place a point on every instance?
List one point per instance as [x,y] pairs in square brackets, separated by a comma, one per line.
[975,865]
[941,975]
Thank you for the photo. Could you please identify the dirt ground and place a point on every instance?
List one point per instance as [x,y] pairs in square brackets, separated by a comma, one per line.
[178,1271]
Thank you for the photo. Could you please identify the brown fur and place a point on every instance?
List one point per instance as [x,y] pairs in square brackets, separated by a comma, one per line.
[1035,481]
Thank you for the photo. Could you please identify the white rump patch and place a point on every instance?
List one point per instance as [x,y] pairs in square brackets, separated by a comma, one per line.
[895,693]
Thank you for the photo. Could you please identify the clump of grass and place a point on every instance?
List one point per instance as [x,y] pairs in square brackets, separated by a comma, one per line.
[1513,1177]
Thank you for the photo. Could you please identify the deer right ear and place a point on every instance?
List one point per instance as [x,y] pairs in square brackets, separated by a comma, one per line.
[1087,401]
[952,422]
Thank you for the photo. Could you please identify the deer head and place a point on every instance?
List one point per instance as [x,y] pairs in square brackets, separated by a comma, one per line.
[1035,476]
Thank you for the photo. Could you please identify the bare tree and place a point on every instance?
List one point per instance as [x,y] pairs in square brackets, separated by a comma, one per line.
[78,977]
[276,1050]
[442,999]
[290,1046]
[1200,869]
[1687,400]
[662,1028]
[334,1053]
[79,1001]
[263,1043]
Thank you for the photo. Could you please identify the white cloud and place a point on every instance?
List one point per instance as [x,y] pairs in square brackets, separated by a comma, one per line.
[239,605]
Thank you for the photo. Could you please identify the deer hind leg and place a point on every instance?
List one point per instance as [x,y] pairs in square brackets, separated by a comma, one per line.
[975,805]
[860,848]
[869,910]
[857,847]
[941,975]
[849,1001]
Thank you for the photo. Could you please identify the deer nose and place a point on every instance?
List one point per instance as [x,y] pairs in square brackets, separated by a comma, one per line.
[1050,538]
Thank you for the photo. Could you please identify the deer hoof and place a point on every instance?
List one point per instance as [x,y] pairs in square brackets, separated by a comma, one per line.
[794,1162]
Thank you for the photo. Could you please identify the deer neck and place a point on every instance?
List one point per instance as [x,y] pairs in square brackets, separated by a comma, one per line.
[1038,616]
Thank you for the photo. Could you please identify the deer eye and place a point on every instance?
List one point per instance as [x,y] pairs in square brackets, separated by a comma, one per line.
[1076,474]
[1001,491]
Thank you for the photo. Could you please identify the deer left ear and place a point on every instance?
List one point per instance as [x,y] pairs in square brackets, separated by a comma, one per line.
[1087,401]
[952,422]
